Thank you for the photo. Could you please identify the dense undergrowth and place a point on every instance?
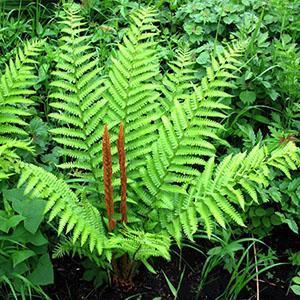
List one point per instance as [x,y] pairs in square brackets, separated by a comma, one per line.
[130,131]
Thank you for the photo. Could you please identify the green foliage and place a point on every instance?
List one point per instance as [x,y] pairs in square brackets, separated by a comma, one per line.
[176,151]
[203,20]
[295,284]
[263,220]
[295,287]
[235,256]
[8,156]
[168,138]
[25,263]
[287,194]
[16,90]
[76,100]
[132,94]
[281,197]
[173,289]
[235,177]
[181,110]
[81,217]
[178,82]
[271,59]
[15,87]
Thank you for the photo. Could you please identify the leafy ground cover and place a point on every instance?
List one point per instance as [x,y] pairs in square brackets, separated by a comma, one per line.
[149,149]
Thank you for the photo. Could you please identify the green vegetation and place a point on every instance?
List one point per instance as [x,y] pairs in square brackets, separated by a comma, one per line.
[131,130]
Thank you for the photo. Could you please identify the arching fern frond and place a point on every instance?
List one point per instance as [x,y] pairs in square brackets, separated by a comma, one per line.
[8,156]
[15,88]
[77,97]
[67,247]
[80,217]
[185,138]
[141,245]
[222,189]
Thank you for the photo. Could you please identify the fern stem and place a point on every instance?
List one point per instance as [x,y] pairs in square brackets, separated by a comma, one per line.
[122,163]
[107,177]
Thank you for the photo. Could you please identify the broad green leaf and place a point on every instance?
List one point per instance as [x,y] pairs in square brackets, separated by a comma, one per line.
[21,235]
[21,255]
[24,206]
[296,280]
[43,273]
[296,289]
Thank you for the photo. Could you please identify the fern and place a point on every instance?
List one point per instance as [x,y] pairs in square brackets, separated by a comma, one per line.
[67,247]
[77,96]
[221,189]
[174,180]
[78,216]
[15,88]
[186,136]
[141,245]
[84,220]
[138,244]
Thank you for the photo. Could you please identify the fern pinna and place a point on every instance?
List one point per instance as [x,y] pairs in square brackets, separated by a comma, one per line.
[164,152]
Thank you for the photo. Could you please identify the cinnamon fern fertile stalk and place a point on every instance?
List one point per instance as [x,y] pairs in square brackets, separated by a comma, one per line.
[107,177]
[122,162]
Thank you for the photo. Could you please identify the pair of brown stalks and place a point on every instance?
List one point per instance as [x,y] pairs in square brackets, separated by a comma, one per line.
[122,271]
[107,176]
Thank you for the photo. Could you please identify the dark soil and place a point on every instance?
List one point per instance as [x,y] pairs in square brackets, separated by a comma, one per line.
[70,286]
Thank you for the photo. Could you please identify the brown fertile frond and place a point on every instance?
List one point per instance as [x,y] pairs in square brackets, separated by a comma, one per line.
[107,177]
[287,139]
[122,162]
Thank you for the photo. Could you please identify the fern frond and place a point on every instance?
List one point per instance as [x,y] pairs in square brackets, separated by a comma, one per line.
[141,245]
[219,193]
[77,96]
[186,136]
[221,189]
[15,89]
[67,247]
[80,217]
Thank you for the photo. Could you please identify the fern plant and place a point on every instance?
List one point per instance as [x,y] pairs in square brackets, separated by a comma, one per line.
[171,180]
